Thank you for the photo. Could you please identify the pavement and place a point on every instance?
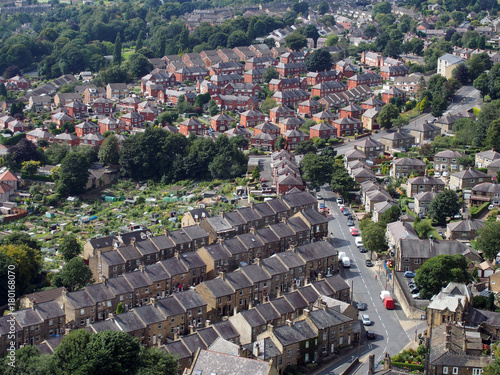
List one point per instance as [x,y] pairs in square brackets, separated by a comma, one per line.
[393,330]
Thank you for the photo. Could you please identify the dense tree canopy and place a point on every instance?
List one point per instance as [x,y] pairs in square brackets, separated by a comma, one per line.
[446,204]
[488,240]
[437,272]
[319,60]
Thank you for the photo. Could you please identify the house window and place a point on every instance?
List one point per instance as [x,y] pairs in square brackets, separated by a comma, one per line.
[477,371]
[406,260]
[307,344]
[289,353]
[417,261]
[306,357]
[455,370]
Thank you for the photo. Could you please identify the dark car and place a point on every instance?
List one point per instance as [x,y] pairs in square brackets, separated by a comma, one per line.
[223,199]
[362,249]
[369,263]
[361,306]
[345,212]
[349,217]
[370,335]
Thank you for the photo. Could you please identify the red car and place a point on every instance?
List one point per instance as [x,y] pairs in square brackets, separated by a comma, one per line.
[354,231]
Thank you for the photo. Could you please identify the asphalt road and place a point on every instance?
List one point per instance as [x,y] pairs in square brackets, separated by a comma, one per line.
[391,337]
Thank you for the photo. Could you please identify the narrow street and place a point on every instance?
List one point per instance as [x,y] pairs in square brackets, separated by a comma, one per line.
[393,330]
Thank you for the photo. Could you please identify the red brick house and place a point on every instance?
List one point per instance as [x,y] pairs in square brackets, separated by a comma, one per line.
[239,130]
[111,124]
[116,90]
[244,53]
[17,126]
[347,126]
[227,54]
[251,118]
[39,134]
[102,106]
[130,103]
[287,182]
[322,130]
[260,62]
[372,59]
[221,122]
[227,68]
[207,86]
[294,137]
[133,120]
[245,89]
[388,72]
[279,113]
[369,79]
[351,110]
[314,78]
[268,128]
[287,84]
[172,96]
[290,123]
[192,125]
[158,77]
[290,98]
[67,139]
[263,141]
[191,74]
[19,82]
[292,57]
[254,75]
[85,128]
[148,112]
[291,69]
[372,103]
[94,140]
[60,118]
[221,80]
[393,92]
[76,109]
[235,103]
[328,87]
[92,93]
[324,116]
[308,107]
[345,68]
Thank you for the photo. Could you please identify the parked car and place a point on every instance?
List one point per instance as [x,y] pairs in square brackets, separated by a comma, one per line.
[223,199]
[446,173]
[409,274]
[366,320]
[361,306]
[350,217]
[370,335]
[369,263]
[354,231]
[358,241]
[350,223]
[362,249]
[345,212]
[437,174]
[416,296]
[340,201]
[318,196]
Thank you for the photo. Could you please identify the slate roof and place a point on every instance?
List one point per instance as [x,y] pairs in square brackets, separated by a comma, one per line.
[296,333]
[426,249]
[219,287]
[465,226]
[327,318]
[209,362]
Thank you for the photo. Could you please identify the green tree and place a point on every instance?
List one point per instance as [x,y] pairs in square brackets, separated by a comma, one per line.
[388,113]
[268,104]
[117,54]
[70,247]
[381,8]
[120,309]
[139,42]
[296,41]
[269,74]
[74,275]
[481,83]
[29,168]
[488,240]
[370,31]
[139,65]
[73,174]
[478,64]
[492,369]
[280,143]
[423,228]
[27,262]
[316,169]
[437,272]
[237,39]
[213,108]
[323,8]
[373,236]
[20,238]
[305,147]
[445,204]
[391,215]
[461,74]
[157,362]
[331,40]
[400,122]
[3,90]
[69,355]
[109,153]
[492,139]
[319,60]
[438,105]
[341,181]
[29,360]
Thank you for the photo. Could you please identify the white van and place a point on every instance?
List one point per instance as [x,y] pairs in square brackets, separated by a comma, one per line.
[346,262]
[341,255]
[358,241]
[384,294]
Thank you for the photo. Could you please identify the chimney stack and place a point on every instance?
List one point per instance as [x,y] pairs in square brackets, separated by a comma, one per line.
[371,364]
[222,275]
[270,328]
[256,350]
[387,361]
[207,323]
